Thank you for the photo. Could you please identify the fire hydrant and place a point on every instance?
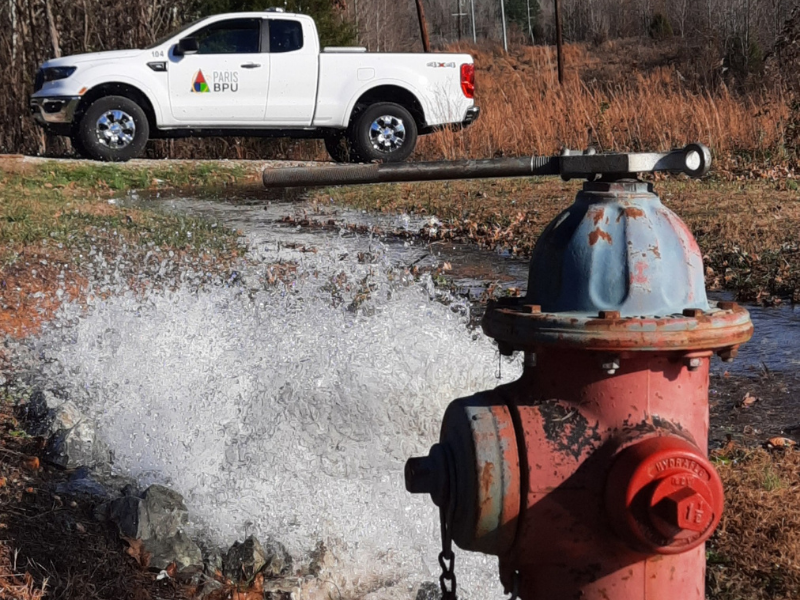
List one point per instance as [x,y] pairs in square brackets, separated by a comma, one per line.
[589,477]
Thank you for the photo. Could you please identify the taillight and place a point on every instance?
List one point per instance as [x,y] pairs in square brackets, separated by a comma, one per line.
[468,80]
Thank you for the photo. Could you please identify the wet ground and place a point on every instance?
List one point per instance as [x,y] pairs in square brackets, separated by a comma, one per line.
[765,369]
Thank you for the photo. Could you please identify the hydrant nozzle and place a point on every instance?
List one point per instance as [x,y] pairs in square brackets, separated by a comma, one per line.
[429,475]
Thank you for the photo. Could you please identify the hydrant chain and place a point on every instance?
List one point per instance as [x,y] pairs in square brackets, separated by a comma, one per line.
[447,558]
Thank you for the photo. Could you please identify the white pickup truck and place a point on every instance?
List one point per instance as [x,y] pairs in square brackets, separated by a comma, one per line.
[253,74]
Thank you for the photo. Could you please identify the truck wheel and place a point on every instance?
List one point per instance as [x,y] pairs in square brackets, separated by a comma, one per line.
[113,128]
[338,147]
[384,132]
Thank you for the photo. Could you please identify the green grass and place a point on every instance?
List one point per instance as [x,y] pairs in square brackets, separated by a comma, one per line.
[64,204]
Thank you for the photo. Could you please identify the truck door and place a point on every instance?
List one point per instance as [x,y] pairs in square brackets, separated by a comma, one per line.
[226,80]
[293,58]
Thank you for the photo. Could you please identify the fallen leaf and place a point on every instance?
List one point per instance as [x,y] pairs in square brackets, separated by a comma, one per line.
[780,442]
[80,528]
[748,400]
[136,550]
[172,569]
[31,463]
[258,583]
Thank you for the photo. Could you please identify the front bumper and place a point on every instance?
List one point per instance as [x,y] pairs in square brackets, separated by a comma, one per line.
[54,110]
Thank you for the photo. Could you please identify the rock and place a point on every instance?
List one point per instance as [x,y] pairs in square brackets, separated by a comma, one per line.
[38,411]
[212,560]
[125,513]
[157,519]
[160,513]
[84,488]
[209,587]
[178,549]
[278,559]
[244,560]
[65,416]
[73,441]
[429,591]
[165,511]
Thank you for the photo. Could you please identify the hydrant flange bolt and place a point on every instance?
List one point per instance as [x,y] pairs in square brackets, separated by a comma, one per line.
[610,364]
[728,354]
[693,363]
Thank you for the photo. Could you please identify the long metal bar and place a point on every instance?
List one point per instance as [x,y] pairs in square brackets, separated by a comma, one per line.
[693,160]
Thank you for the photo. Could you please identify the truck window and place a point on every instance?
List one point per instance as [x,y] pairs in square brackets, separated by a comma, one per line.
[285,35]
[234,36]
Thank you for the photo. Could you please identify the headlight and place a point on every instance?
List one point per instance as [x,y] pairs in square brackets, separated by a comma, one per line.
[56,73]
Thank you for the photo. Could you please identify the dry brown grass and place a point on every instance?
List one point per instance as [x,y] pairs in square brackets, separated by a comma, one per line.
[643,103]
[755,553]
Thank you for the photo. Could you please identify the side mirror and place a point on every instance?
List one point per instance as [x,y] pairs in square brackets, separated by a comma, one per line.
[187,45]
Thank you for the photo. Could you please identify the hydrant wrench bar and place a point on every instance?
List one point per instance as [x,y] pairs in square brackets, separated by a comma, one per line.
[693,160]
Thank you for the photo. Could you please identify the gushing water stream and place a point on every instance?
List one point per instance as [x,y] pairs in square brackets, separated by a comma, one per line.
[287,409]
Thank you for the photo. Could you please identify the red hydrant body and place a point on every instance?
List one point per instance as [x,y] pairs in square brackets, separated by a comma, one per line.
[589,475]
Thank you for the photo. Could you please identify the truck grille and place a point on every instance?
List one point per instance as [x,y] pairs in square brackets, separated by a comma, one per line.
[38,82]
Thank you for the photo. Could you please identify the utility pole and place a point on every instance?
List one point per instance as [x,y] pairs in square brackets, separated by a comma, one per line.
[458,21]
[558,45]
[423,27]
[503,18]
[472,9]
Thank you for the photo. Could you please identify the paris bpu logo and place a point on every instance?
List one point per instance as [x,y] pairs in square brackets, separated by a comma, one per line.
[199,84]
[221,81]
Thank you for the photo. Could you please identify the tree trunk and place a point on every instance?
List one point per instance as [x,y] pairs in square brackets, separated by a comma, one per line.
[51,23]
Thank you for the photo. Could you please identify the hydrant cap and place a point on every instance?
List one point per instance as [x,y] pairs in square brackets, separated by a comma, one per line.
[617,248]
[664,496]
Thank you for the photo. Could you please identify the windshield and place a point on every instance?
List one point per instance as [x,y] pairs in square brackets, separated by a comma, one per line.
[163,39]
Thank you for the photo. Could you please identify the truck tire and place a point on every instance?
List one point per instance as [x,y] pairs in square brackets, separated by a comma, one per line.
[383,132]
[114,129]
[338,147]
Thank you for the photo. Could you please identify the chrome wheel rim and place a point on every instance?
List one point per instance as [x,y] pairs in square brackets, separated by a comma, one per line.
[387,133]
[115,129]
